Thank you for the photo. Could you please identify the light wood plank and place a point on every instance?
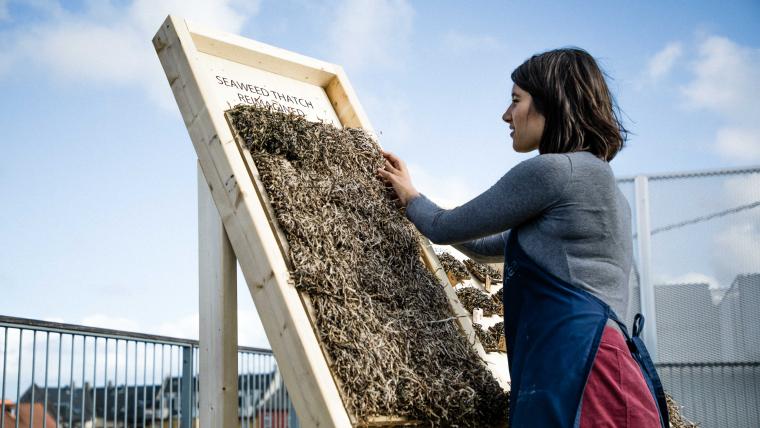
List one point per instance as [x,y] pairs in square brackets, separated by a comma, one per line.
[217,298]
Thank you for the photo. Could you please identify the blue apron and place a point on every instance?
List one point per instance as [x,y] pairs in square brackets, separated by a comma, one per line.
[553,330]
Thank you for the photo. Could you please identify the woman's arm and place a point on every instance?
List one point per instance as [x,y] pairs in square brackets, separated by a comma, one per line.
[520,195]
[485,250]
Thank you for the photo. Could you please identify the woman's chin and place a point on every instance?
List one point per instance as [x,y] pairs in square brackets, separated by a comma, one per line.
[520,148]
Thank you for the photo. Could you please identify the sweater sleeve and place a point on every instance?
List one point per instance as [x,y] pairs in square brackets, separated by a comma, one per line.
[489,249]
[520,195]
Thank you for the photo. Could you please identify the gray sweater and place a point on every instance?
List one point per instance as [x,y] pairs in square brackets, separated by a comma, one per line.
[573,222]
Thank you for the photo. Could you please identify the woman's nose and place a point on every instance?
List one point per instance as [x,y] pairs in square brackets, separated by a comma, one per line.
[506,117]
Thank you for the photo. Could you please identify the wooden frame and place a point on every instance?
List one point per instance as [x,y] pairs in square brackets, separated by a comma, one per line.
[190,55]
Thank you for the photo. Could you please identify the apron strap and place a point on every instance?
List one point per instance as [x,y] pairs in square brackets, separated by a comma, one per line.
[638,325]
[642,357]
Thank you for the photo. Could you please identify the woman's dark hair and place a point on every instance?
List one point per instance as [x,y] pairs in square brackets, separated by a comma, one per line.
[569,90]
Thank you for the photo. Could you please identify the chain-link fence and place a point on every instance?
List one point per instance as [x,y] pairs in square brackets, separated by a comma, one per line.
[698,265]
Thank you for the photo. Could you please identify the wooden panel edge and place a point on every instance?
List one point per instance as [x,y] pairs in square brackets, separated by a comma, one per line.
[261,55]
[313,392]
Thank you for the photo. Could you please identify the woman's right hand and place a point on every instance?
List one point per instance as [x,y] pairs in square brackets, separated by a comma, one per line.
[396,173]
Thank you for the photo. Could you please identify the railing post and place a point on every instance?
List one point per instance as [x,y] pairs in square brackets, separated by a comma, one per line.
[186,405]
[646,288]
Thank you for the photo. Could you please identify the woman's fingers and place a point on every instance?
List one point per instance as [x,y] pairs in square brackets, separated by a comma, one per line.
[393,159]
[394,164]
[391,168]
[394,175]
[387,175]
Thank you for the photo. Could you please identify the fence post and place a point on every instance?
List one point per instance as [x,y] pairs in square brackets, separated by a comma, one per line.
[646,288]
[186,405]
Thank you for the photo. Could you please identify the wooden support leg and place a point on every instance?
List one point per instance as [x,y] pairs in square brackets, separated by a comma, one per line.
[218,370]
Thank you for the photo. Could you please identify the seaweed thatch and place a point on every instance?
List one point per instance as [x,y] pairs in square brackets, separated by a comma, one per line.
[499,296]
[489,342]
[472,298]
[453,267]
[489,337]
[676,419]
[382,318]
[481,270]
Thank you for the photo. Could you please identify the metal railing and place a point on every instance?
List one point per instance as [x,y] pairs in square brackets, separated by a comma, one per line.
[64,375]
[722,394]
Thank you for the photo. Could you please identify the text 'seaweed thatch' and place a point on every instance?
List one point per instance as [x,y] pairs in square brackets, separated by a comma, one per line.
[380,315]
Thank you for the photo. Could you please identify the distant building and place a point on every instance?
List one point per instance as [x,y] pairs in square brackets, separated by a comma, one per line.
[688,324]
[130,405]
[696,324]
[275,410]
[251,390]
[740,319]
[75,405]
[113,405]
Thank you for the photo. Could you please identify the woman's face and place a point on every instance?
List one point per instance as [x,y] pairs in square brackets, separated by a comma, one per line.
[526,123]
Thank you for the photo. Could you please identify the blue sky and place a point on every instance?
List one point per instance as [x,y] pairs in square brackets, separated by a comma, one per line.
[98,176]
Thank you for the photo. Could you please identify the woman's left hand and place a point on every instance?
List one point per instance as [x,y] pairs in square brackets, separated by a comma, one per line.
[396,173]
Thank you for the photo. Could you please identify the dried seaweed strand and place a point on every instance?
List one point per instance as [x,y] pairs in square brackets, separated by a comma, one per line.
[480,271]
[499,296]
[472,298]
[453,266]
[488,339]
[676,419]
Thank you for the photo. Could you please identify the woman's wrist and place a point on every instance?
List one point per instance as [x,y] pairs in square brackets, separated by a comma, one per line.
[414,195]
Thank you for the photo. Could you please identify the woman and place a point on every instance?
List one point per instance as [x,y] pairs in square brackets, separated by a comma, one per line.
[566,276]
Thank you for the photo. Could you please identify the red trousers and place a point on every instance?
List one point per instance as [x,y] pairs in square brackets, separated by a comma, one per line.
[616,393]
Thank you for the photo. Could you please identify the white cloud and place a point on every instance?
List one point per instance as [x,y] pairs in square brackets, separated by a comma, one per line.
[726,79]
[69,50]
[185,327]
[228,15]
[688,278]
[726,82]
[737,248]
[107,43]
[662,62]
[456,42]
[250,330]
[739,144]
[371,33]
